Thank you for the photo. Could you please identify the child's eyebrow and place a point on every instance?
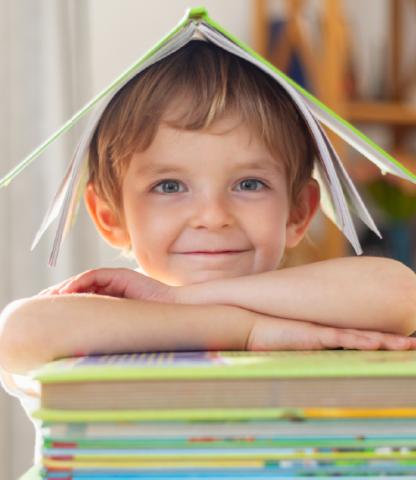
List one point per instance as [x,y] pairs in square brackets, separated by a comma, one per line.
[261,165]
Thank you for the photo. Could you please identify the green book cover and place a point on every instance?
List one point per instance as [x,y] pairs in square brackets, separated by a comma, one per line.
[338,191]
[229,365]
[182,415]
[374,368]
[221,415]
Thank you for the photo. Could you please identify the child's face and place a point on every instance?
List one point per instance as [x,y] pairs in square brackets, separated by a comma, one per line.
[201,205]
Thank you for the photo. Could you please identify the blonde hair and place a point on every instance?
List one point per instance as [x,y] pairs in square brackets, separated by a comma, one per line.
[212,83]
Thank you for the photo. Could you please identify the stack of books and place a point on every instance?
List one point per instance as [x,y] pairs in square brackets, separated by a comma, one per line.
[229,415]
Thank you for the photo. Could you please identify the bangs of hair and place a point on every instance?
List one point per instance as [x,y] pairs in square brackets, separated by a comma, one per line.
[198,85]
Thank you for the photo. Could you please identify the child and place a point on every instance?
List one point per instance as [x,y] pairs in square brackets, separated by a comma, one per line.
[201,168]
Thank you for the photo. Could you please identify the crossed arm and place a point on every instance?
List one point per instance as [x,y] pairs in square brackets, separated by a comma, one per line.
[39,329]
[354,292]
[338,303]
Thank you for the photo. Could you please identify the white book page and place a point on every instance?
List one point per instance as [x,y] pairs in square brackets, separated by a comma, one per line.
[357,142]
[350,190]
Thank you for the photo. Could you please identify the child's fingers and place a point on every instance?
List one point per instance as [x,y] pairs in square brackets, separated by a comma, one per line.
[390,341]
[348,339]
[84,282]
[396,342]
[382,341]
[103,281]
[77,285]
[284,334]
[109,281]
[80,283]
[54,289]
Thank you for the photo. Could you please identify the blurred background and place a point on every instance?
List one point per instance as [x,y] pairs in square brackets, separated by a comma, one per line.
[358,57]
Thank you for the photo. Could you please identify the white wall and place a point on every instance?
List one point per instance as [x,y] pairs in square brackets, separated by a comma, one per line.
[121,35]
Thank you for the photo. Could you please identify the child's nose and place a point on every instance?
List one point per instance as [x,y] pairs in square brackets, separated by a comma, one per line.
[212,212]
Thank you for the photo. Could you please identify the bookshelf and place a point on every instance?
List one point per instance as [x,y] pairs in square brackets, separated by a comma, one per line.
[328,71]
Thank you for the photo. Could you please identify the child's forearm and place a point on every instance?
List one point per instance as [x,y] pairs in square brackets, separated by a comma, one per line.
[356,292]
[37,330]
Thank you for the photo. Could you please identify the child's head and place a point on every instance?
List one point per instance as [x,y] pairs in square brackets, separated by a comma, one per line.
[237,161]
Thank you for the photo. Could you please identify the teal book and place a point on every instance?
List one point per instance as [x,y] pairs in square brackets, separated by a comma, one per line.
[192,385]
[338,193]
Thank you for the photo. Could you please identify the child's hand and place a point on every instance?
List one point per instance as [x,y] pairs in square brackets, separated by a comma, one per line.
[285,334]
[115,282]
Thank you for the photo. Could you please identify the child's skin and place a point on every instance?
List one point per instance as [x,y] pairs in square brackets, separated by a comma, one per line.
[208,199]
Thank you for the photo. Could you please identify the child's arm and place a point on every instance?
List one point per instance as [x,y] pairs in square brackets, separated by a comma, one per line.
[368,293]
[355,292]
[37,330]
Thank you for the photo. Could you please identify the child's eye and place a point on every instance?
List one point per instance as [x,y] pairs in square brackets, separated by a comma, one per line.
[251,184]
[173,186]
[167,186]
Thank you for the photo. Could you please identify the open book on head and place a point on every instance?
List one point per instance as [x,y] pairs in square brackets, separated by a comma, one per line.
[338,194]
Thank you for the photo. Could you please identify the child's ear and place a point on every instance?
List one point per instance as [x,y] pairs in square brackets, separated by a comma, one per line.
[302,213]
[105,219]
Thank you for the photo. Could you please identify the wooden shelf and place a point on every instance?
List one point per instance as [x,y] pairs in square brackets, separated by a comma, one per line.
[327,68]
[389,113]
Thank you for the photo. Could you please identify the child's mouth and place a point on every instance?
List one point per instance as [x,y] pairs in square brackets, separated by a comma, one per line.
[218,252]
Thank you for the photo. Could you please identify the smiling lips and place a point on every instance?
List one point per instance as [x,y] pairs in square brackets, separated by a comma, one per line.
[218,252]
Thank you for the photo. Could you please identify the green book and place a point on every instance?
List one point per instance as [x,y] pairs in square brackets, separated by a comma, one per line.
[338,193]
[186,382]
